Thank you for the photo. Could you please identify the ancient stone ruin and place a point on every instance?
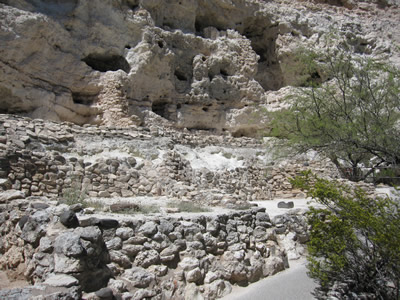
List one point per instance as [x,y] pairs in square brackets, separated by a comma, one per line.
[116,114]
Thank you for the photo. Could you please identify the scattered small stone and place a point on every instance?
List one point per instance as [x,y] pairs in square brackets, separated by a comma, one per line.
[284,204]
[105,294]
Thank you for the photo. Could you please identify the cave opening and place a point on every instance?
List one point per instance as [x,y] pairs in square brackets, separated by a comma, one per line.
[263,41]
[104,62]
[161,109]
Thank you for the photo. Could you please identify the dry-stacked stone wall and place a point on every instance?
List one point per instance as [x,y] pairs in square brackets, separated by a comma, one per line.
[64,253]
[46,159]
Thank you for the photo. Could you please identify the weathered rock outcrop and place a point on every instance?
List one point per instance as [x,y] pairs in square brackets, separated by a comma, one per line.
[198,64]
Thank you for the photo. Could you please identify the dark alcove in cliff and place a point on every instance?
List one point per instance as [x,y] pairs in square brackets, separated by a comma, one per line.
[104,63]
[84,99]
[263,42]
[160,108]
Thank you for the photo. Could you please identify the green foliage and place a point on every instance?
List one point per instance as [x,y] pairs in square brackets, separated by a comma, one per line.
[74,195]
[353,118]
[354,240]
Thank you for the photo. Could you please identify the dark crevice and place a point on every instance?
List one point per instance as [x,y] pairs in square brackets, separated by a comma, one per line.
[180,75]
[224,73]
[104,63]
[131,4]
[263,42]
[83,99]
[161,109]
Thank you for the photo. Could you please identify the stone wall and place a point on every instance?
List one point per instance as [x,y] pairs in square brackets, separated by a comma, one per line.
[43,158]
[139,257]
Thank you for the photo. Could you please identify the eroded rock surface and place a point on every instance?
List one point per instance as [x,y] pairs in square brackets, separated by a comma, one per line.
[196,64]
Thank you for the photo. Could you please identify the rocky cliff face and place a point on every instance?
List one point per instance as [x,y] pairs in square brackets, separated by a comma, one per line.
[190,63]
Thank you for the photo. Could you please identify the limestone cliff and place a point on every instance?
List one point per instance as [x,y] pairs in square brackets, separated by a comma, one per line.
[194,64]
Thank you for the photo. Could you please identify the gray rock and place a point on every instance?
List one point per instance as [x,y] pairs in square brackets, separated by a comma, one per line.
[86,222]
[117,285]
[147,258]
[22,221]
[69,244]
[189,263]
[284,204]
[105,294]
[262,217]
[61,280]
[69,219]
[169,254]
[158,270]
[32,230]
[131,250]
[120,259]
[10,195]
[218,289]
[144,294]
[67,265]
[3,218]
[148,228]
[165,227]
[77,207]
[194,275]
[45,245]
[139,277]
[124,233]
[114,244]
[137,240]
[108,223]
[92,233]
[280,229]
[39,205]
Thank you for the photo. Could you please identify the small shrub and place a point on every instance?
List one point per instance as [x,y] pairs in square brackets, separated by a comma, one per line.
[227,155]
[354,241]
[73,195]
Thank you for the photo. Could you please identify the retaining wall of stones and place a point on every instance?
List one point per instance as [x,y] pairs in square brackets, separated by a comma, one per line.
[43,158]
[139,257]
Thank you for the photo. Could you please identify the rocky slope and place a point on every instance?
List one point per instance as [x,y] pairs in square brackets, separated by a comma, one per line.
[191,63]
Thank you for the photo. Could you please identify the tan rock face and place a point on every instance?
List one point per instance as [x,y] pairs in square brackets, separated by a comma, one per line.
[191,63]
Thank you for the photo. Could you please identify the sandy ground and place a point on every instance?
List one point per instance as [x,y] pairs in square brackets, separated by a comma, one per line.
[5,282]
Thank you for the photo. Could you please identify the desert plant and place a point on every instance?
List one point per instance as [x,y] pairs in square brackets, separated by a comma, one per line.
[354,241]
[353,118]
[73,195]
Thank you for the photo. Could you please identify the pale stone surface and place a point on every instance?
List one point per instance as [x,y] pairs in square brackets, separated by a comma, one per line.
[191,63]
[61,281]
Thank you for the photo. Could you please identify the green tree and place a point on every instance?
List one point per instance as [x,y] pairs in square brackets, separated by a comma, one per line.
[354,241]
[353,118]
